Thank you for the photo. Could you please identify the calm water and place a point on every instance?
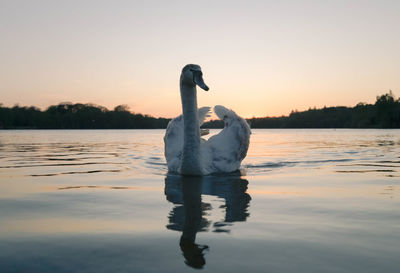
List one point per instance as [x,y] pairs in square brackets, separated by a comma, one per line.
[101,201]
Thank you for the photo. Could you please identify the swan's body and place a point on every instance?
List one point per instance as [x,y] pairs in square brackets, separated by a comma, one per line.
[186,152]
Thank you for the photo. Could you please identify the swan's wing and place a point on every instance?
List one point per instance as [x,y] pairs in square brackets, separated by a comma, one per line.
[203,112]
[238,128]
[173,139]
[225,151]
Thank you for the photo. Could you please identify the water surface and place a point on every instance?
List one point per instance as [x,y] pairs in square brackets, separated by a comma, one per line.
[102,201]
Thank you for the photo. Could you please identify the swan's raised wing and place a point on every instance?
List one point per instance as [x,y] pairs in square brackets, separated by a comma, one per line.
[173,139]
[225,151]
[203,112]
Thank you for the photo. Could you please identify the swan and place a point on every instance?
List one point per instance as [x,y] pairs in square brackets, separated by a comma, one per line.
[189,154]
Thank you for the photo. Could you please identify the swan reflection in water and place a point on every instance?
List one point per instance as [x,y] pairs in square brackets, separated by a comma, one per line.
[190,213]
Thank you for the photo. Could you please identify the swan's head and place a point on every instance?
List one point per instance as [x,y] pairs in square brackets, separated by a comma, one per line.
[192,75]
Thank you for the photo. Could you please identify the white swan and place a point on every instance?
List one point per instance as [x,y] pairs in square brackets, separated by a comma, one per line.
[185,151]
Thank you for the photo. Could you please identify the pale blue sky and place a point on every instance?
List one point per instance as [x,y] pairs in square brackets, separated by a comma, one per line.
[258,57]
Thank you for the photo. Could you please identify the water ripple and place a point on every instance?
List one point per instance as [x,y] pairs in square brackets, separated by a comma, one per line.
[64,164]
[76,172]
[57,153]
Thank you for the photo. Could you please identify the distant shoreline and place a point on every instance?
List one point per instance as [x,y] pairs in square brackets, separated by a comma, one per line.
[384,114]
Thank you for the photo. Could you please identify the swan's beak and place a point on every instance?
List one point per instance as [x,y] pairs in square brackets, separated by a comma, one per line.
[198,79]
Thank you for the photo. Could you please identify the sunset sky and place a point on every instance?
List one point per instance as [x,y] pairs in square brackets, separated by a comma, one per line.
[260,58]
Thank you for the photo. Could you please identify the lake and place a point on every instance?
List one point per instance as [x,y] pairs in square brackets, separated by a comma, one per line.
[102,201]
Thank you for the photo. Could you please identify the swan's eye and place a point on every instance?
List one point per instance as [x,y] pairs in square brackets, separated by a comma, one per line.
[196,72]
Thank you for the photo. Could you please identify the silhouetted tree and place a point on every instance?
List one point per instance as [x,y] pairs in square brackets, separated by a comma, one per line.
[385,113]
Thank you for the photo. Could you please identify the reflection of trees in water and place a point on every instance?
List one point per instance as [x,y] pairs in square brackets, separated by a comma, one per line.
[189,214]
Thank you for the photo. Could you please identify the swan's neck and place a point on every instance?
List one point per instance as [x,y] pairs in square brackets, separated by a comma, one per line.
[191,164]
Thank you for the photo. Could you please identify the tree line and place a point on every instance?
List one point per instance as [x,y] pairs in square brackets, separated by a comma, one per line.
[385,113]
[77,116]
